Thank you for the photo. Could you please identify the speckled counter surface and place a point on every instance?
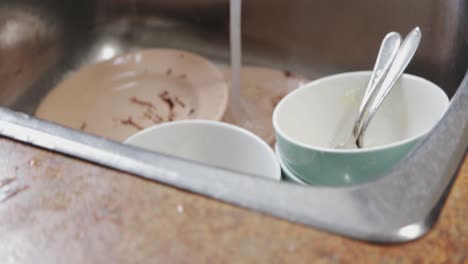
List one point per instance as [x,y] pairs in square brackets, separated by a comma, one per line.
[56,209]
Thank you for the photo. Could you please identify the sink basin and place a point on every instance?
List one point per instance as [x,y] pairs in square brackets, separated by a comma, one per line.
[43,41]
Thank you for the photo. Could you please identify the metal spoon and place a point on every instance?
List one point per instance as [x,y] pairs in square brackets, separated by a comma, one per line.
[401,61]
[387,53]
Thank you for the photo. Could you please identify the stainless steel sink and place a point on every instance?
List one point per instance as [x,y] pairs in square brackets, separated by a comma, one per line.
[41,41]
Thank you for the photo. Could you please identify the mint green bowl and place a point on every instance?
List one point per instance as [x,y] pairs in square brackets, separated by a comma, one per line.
[311,121]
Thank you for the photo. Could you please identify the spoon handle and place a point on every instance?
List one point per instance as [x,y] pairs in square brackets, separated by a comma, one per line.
[401,61]
[388,50]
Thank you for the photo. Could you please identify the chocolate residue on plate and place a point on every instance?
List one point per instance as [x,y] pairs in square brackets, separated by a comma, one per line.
[167,99]
[183,76]
[150,111]
[192,111]
[147,115]
[83,126]
[157,119]
[152,117]
[129,122]
[169,72]
[137,101]
[288,73]
[179,102]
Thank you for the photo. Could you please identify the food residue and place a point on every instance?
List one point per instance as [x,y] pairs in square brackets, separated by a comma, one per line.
[183,76]
[179,102]
[192,111]
[287,73]
[153,117]
[150,110]
[167,99]
[137,101]
[147,115]
[83,126]
[169,72]
[129,122]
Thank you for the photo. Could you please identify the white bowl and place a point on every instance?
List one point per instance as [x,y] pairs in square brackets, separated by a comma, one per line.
[213,143]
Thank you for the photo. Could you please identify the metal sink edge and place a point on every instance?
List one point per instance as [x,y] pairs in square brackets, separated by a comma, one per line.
[398,207]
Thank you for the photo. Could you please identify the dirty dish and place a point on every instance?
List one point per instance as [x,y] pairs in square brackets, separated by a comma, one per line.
[121,96]
[307,120]
[213,143]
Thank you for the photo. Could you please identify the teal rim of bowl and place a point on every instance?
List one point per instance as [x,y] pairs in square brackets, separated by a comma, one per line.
[286,171]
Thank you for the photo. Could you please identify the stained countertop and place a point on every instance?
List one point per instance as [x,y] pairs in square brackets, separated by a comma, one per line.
[57,209]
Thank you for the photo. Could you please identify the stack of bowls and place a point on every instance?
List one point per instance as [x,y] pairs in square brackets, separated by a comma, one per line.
[311,121]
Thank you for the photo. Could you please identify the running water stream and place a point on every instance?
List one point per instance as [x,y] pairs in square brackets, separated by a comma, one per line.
[236,54]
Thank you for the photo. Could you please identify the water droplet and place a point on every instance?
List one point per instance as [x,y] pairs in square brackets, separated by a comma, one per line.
[180,209]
